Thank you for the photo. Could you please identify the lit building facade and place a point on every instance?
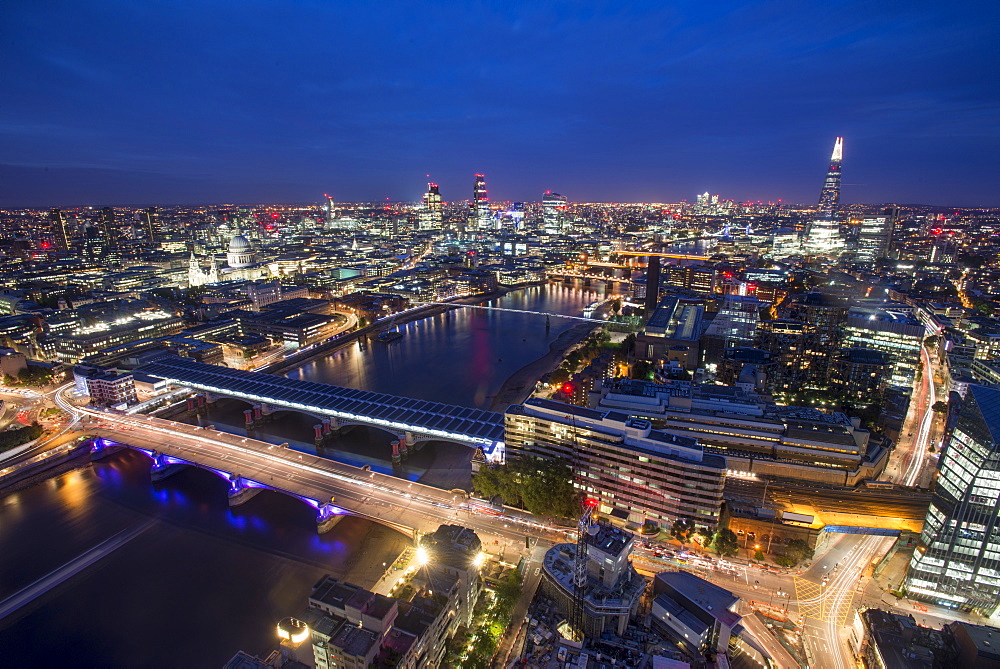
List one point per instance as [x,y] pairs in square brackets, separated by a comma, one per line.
[957,563]
[893,331]
[875,236]
[824,230]
[631,469]
[553,211]
[431,214]
[479,208]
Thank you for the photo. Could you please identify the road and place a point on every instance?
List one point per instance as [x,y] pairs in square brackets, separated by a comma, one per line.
[387,499]
[912,453]
[514,638]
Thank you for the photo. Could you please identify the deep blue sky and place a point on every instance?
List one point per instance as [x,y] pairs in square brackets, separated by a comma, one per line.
[143,101]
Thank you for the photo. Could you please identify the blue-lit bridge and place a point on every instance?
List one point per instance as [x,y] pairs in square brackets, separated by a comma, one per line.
[411,420]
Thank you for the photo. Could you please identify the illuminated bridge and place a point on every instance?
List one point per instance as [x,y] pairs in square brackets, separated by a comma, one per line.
[412,420]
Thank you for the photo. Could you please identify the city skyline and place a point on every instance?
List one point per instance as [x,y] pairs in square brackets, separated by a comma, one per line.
[672,102]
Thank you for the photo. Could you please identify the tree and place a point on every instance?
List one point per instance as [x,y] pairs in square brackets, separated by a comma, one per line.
[931,341]
[758,555]
[547,488]
[22,435]
[509,588]
[726,543]
[642,370]
[542,487]
[940,407]
[616,306]
[796,551]
[559,376]
[682,529]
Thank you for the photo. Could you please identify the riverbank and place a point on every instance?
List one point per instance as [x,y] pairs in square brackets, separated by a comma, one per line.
[322,350]
[519,385]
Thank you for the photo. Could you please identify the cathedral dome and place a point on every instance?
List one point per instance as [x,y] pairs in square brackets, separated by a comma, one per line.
[239,244]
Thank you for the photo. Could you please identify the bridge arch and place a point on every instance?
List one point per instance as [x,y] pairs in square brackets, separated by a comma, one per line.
[241,489]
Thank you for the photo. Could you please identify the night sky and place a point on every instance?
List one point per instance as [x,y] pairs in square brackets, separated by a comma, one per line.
[148,102]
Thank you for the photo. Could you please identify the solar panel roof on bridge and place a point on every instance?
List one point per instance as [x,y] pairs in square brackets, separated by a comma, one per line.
[405,411]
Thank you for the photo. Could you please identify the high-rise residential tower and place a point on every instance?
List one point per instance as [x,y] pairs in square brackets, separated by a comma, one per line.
[957,563]
[824,230]
[479,207]
[431,214]
[58,229]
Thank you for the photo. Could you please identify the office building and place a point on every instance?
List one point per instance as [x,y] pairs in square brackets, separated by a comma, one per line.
[636,473]
[754,437]
[895,641]
[453,556]
[673,332]
[875,236]
[58,230]
[892,330]
[151,223]
[106,387]
[823,235]
[111,236]
[957,563]
[431,216]
[696,614]
[861,374]
[553,212]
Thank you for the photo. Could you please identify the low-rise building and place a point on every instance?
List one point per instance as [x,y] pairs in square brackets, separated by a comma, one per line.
[106,387]
[630,468]
[756,437]
[697,614]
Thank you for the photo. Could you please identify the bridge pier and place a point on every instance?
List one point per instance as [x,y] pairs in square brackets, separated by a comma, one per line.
[162,467]
[397,458]
[240,492]
[101,448]
[327,518]
[404,444]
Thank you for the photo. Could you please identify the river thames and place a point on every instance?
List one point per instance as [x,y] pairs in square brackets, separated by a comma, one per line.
[123,572]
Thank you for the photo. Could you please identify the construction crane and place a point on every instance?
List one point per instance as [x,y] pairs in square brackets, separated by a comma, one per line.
[584,529]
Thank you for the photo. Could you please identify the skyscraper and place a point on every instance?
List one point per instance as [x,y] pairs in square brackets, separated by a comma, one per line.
[479,207]
[875,235]
[151,222]
[431,215]
[58,229]
[553,211]
[824,231]
[329,211]
[958,560]
[111,234]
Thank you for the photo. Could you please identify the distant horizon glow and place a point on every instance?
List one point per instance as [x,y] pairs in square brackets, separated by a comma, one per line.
[603,102]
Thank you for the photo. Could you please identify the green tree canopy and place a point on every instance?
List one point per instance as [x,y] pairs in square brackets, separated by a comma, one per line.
[796,551]
[726,543]
[682,529]
[542,487]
